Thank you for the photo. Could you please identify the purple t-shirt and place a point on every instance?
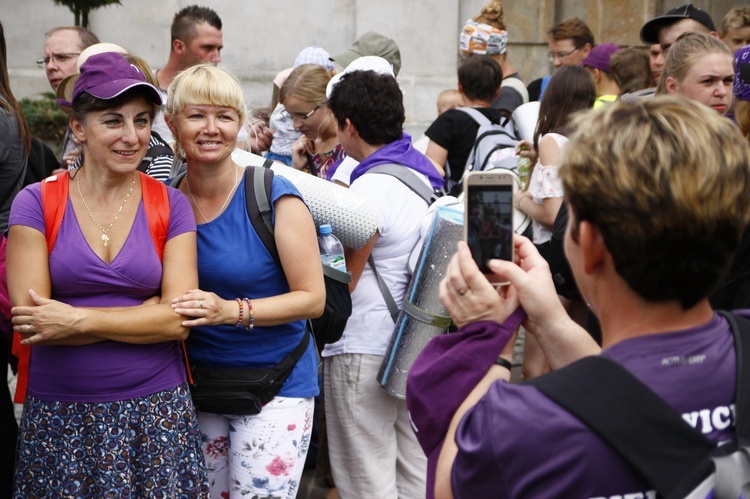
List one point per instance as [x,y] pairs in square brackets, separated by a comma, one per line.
[518,443]
[109,370]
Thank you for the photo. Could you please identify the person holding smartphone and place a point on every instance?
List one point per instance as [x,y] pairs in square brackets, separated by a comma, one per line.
[646,276]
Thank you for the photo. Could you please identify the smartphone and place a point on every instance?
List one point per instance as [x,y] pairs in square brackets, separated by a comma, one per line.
[488,218]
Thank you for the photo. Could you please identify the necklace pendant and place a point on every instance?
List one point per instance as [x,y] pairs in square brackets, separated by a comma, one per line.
[105,238]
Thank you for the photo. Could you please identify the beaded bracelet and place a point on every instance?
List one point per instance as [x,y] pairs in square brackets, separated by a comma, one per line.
[250,314]
[242,313]
[502,362]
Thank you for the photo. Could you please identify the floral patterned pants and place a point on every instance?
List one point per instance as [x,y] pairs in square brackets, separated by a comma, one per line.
[260,456]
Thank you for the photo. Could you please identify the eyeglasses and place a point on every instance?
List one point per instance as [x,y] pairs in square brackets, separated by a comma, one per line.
[56,58]
[298,116]
[560,55]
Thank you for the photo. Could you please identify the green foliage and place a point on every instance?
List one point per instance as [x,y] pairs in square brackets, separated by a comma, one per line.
[81,8]
[46,120]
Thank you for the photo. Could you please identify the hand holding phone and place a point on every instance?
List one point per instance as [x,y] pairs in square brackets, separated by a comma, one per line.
[488,218]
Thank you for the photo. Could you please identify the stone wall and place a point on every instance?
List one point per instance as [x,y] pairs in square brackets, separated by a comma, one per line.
[262,37]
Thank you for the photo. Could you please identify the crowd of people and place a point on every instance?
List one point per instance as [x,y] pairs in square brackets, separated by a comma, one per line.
[162,346]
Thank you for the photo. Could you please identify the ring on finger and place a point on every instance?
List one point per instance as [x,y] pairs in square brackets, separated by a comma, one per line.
[462,291]
[28,327]
[200,304]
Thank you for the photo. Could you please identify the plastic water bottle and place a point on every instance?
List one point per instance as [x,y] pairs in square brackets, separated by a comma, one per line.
[523,167]
[331,249]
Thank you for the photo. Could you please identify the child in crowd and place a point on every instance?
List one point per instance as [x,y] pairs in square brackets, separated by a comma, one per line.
[735,28]
[631,69]
[598,63]
[449,99]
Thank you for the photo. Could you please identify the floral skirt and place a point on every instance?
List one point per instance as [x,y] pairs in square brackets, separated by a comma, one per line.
[142,447]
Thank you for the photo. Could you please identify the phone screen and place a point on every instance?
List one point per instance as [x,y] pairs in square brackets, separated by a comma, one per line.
[489,223]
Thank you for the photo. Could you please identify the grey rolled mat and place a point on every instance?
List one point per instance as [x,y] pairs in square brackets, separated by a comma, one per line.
[423,316]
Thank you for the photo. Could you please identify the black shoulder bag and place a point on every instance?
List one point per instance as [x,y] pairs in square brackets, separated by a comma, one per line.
[244,390]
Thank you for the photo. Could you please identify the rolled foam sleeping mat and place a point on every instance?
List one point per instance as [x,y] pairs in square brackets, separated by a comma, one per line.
[353,218]
[422,316]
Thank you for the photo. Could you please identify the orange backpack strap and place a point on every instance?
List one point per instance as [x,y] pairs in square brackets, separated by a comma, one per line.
[54,203]
[23,353]
[156,206]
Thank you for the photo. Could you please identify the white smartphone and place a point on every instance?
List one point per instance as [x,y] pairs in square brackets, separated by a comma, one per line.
[488,218]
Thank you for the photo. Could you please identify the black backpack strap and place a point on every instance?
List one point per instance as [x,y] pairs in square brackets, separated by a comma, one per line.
[644,430]
[258,185]
[410,179]
[741,329]
[176,181]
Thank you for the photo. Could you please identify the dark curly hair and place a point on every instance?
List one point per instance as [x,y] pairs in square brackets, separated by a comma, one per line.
[373,102]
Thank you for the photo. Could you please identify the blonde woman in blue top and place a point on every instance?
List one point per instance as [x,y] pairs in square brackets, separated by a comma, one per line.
[250,311]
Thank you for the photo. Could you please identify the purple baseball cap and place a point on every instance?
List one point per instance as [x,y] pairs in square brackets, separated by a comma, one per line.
[741,88]
[600,56]
[104,76]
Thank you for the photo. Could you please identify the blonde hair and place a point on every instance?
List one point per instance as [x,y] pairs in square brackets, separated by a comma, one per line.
[685,52]
[206,84]
[738,17]
[664,181]
[445,97]
[307,82]
[492,14]
[144,67]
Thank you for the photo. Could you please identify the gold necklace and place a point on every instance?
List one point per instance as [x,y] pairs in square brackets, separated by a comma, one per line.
[231,189]
[105,237]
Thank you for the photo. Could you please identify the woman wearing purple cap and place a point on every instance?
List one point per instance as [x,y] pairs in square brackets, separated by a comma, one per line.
[94,259]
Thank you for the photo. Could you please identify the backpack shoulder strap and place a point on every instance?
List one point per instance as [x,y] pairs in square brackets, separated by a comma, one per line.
[176,181]
[644,430]
[413,182]
[481,119]
[54,190]
[741,329]
[54,203]
[258,185]
[387,296]
[409,179]
[157,208]
[517,85]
